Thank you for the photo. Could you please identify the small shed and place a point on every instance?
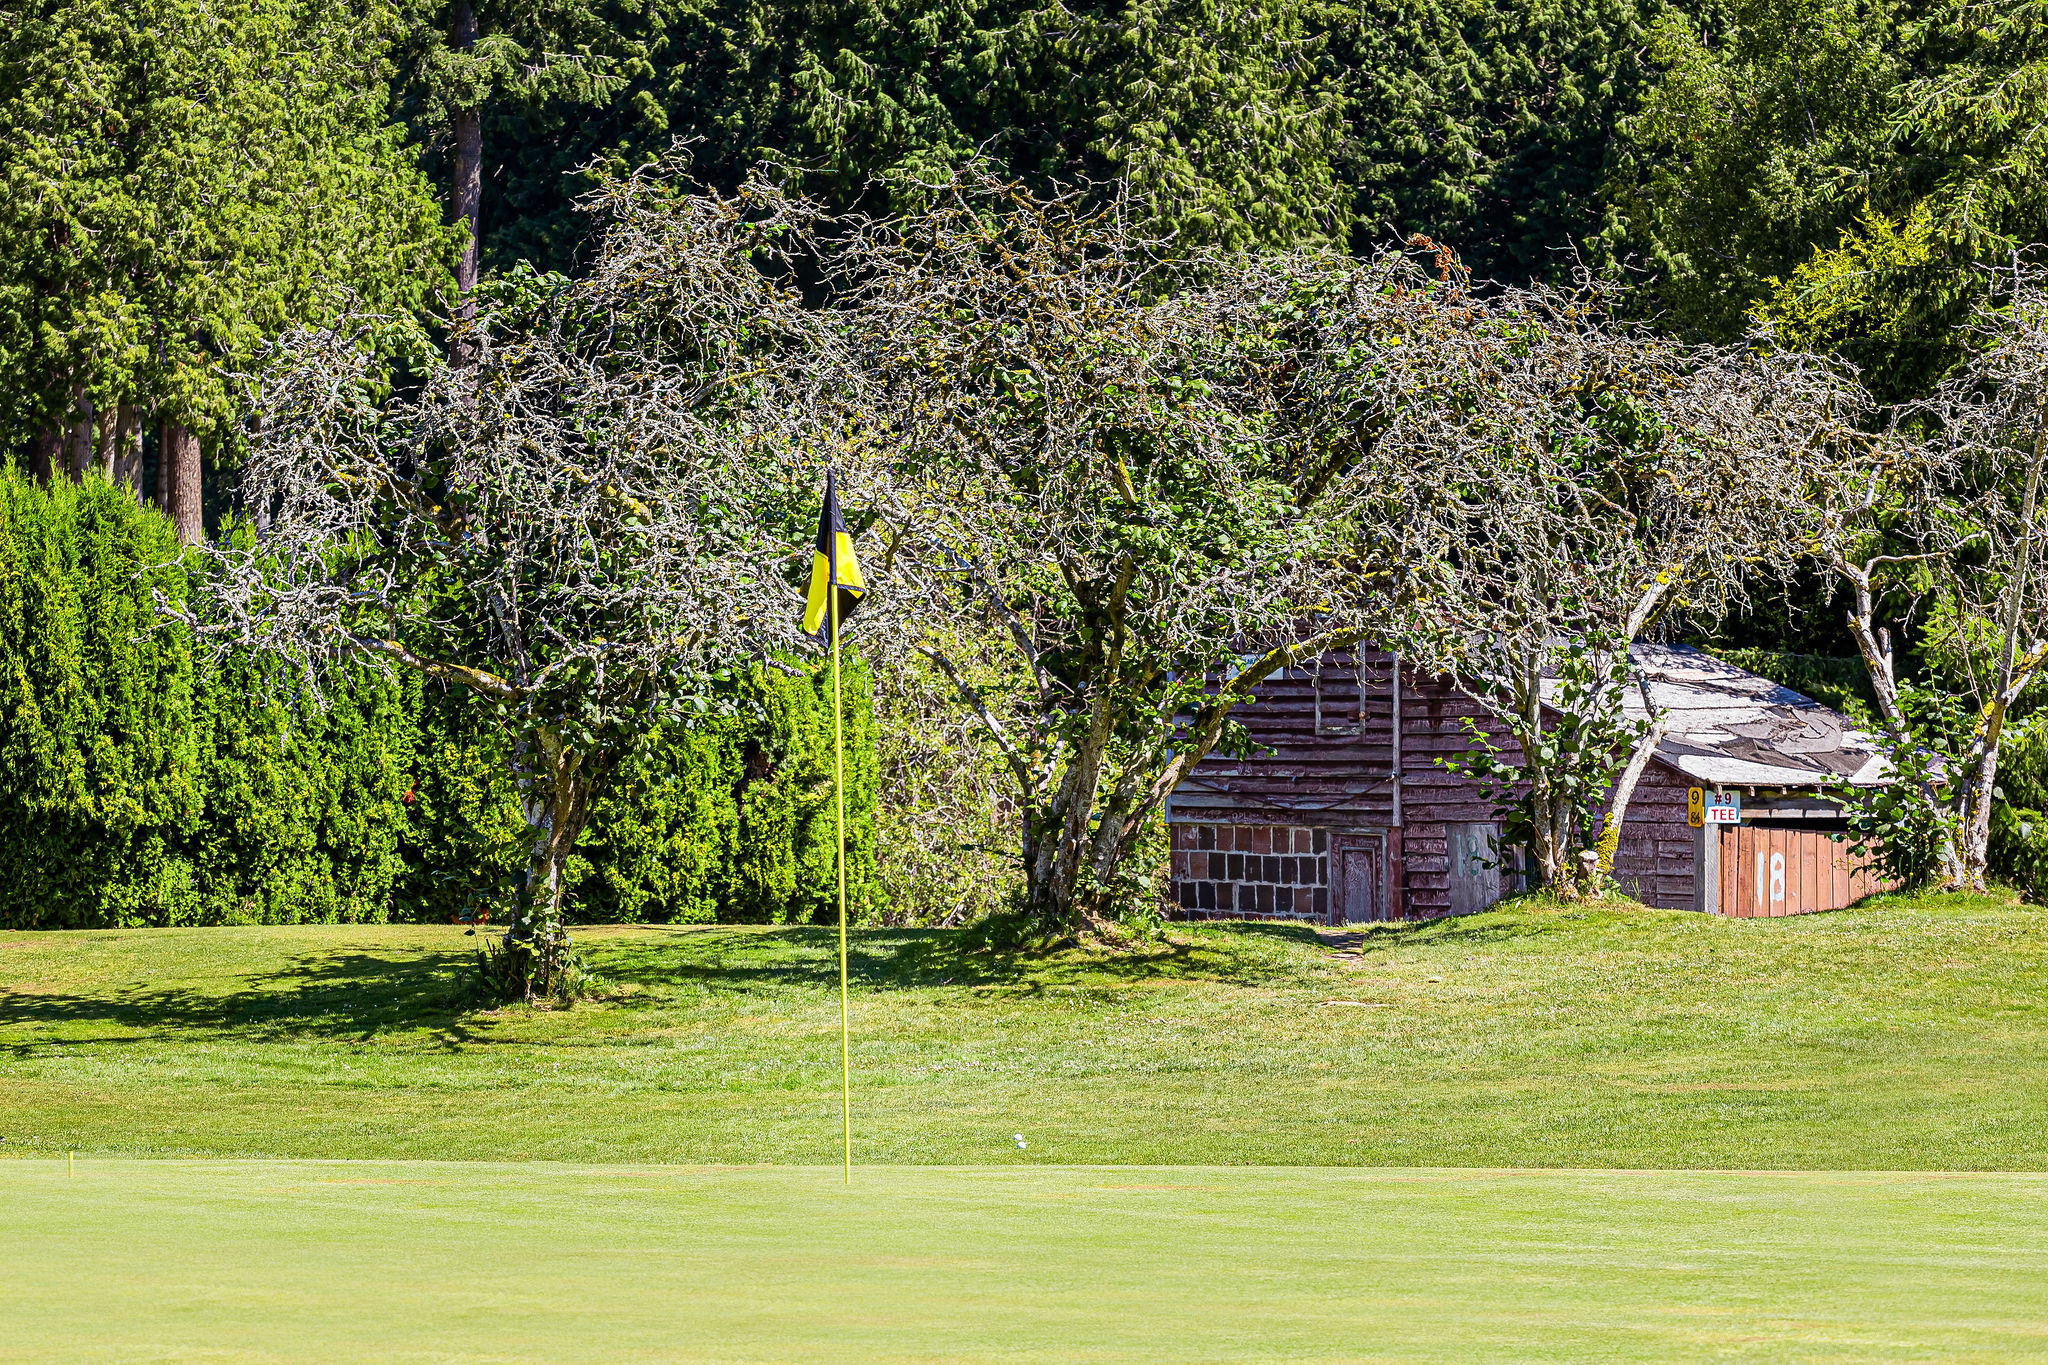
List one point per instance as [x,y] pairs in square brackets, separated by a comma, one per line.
[1344,813]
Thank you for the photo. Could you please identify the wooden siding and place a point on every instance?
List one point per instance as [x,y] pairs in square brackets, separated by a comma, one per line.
[1434,726]
[1324,760]
[1777,871]
[1659,854]
[1323,756]
[1324,767]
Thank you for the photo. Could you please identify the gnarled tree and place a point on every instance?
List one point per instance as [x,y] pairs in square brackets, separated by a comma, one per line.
[1959,535]
[1587,478]
[579,526]
[1089,463]
[1154,481]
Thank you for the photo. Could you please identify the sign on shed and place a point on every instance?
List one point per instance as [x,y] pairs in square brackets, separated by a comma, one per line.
[1703,807]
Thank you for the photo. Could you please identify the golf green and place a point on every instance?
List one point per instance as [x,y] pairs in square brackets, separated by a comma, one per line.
[287,1261]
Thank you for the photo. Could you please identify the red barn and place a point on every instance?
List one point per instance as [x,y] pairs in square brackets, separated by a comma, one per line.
[1344,813]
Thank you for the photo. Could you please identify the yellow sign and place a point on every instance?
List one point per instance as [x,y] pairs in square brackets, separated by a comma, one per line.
[1695,807]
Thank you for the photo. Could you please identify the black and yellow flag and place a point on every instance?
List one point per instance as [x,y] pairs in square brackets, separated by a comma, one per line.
[832,565]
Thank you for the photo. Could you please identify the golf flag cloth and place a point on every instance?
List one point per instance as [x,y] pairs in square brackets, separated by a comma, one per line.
[833,568]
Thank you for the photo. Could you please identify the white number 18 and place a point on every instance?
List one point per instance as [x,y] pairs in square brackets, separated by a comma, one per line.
[1777,881]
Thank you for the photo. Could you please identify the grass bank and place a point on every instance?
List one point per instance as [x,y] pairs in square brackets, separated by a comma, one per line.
[1895,1037]
[282,1262]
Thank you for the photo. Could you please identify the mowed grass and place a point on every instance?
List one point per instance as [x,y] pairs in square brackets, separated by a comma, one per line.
[280,1262]
[1895,1037]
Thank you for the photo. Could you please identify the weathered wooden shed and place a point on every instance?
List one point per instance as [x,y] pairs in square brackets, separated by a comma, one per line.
[1345,814]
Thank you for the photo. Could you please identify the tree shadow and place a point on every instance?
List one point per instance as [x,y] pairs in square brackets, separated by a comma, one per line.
[807,957]
[743,961]
[1510,923]
[1480,930]
[352,995]
[360,995]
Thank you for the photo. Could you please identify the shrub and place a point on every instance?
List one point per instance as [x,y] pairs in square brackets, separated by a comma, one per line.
[140,785]
[733,819]
[99,763]
[2019,828]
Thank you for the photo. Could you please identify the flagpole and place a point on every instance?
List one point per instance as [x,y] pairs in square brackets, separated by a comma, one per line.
[839,797]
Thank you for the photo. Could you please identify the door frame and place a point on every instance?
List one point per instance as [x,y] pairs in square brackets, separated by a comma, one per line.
[1343,842]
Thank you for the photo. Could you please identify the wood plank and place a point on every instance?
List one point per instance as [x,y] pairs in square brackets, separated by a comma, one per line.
[1731,868]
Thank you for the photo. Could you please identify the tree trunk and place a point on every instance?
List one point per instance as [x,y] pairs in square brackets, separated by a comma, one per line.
[109,433]
[556,802]
[469,159]
[1549,814]
[44,452]
[1074,830]
[2012,680]
[468,198]
[1878,665]
[1124,815]
[179,481]
[1625,786]
[78,449]
[127,468]
[161,494]
[1976,820]
[1548,828]
[1044,845]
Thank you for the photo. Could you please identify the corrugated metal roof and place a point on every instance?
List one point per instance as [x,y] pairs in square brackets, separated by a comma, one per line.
[1731,728]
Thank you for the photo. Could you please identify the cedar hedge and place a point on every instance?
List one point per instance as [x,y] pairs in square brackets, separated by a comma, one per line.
[142,785]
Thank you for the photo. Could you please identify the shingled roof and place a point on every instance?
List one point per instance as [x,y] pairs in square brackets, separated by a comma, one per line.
[1730,728]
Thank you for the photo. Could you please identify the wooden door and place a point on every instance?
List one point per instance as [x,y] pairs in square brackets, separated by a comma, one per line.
[1358,869]
[1475,866]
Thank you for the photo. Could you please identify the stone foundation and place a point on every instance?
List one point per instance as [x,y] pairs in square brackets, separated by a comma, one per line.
[1251,872]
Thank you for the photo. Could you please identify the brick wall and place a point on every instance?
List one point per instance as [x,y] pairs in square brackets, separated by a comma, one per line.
[1251,871]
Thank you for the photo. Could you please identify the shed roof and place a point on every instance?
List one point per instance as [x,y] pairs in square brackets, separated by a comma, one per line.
[1731,728]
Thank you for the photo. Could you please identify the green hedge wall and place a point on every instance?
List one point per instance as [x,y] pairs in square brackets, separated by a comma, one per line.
[140,786]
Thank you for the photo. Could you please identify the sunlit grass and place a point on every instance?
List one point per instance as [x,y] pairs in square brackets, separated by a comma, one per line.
[283,1262]
[1900,1036]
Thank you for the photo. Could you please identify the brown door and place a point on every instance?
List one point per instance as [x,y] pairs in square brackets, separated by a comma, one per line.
[1359,872]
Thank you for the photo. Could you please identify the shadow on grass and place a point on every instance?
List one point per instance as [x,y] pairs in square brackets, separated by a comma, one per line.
[355,995]
[359,995]
[1524,918]
[807,957]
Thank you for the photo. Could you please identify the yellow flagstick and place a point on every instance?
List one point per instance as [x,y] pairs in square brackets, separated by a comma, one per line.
[839,796]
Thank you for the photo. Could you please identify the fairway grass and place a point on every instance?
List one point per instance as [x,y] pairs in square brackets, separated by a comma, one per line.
[1887,1038]
[280,1262]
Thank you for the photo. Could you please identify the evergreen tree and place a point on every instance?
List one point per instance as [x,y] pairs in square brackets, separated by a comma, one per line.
[1487,124]
[178,181]
[1840,167]
[1216,114]
[1765,136]
[467,59]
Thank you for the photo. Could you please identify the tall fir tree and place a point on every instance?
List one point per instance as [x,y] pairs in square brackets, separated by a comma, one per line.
[467,63]
[1841,169]
[1217,117]
[1487,124]
[180,180]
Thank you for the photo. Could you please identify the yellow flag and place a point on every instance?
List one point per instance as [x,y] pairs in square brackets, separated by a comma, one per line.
[833,565]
